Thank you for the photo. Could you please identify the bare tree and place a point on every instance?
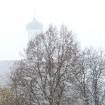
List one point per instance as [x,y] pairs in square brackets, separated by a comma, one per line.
[90,76]
[87,78]
[78,79]
[96,65]
[42,77]
[56,72]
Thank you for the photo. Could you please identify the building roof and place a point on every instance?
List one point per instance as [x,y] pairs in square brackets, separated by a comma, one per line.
[34,25]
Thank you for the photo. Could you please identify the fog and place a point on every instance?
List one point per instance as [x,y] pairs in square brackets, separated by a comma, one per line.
[85,17]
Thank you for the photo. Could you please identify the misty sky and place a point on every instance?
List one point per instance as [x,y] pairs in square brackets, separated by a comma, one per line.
[85,17]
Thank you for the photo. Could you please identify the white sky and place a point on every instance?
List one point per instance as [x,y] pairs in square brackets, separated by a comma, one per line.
[85,17]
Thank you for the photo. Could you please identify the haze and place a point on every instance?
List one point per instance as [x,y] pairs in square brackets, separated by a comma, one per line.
[85,17]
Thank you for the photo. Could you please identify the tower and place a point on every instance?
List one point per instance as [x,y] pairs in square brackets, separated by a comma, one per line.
[34,27]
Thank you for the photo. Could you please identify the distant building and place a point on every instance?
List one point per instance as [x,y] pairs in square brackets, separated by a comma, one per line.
[34,27]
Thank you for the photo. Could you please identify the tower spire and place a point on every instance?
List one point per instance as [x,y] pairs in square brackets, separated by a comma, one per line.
[34,15]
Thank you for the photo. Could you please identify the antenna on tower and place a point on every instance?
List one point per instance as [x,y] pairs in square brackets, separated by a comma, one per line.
[35,9]
[34,14]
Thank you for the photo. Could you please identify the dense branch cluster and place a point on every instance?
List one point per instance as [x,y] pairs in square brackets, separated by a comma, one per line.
[56,72]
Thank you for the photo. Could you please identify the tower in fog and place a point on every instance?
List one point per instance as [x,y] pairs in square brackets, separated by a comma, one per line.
[34,27]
